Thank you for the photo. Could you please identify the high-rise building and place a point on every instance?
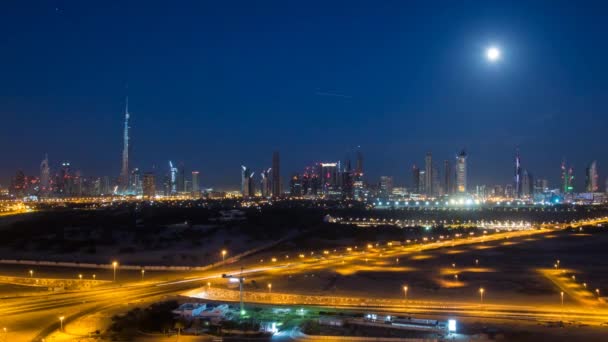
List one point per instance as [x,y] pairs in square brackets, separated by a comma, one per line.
[136,186]
[105,188]
[330,175]
[45,176]
[123,180]
[266,183]
[181,178]
[348,180]
[415,179]
[526,185]
[295,186]
[436,183]
[18,184]
[567,177]
[541,186]
[149,185]
[518,176]
[428,174]
[386,186]
[357,178]
[276,175]
[247,187]
[447,177]
[461,172]
[422,182]
[592,178]
[359,166]
[196,188]
[509,191]
[64,179]
[172,179]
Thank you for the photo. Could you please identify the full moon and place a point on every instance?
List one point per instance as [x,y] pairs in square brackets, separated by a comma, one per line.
[493,54]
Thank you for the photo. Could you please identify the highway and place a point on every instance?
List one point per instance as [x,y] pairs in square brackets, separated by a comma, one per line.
[35,317]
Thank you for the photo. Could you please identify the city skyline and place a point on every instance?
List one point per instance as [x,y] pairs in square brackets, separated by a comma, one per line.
[215,114]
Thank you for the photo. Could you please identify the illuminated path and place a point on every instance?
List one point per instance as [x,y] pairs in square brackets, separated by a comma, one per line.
[36,317]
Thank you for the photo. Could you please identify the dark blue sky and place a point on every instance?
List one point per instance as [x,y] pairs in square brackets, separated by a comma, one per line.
[219,83]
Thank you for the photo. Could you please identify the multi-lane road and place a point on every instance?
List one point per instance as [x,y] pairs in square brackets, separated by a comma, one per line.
[35,317]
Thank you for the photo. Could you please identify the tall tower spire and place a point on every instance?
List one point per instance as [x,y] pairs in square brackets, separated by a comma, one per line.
[124,171]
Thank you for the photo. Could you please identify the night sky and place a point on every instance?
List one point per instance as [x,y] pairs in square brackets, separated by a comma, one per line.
[217,84]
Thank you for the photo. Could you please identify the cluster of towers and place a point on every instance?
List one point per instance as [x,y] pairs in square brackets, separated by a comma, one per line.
[270,180]
[428,181]
[333,180]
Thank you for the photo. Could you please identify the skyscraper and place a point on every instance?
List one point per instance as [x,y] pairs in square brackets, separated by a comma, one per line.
[526,185]
[181,178]
[295,186]
[276,175]
[45,176]
[447,177]
[386,185]
[123,180]
[592,178]
[461,172]
[415,179]
[266,183]
[567,177]
[357,178]
[247,188]
[149,185]
[428,168]
[196,188]
[517,178]
[172,179]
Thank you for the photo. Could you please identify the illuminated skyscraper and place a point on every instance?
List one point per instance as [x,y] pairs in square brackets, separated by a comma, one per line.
[265,183]
[172,179]
[357,178]
[276,175]
[461,172]
[592,178]
[386,186]
[196,188]
[123,180]
[247,187]
[295,186]
[428,174]
[517,178]
[567,177]
[45,176]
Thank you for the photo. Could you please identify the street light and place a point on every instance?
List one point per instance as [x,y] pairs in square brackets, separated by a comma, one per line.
[405,291]
[208,285]
[481,291]
[585,285]
[94,276]
[114,265]
[31,273]
[476,262]
[61,318]
[598,293]
[80,276]
[562,297]
[269,287]
[142,274]
[224,255]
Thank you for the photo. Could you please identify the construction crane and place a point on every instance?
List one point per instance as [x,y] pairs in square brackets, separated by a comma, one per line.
[240,279]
